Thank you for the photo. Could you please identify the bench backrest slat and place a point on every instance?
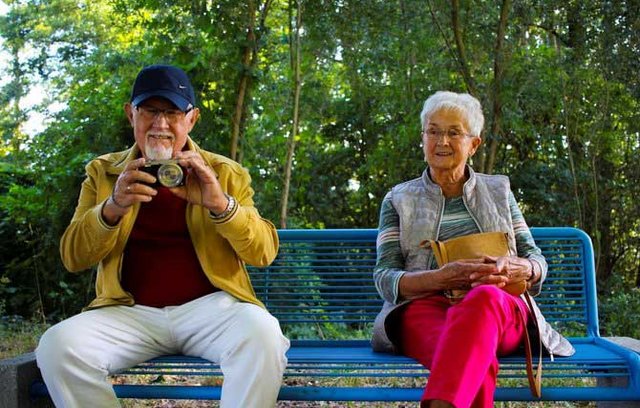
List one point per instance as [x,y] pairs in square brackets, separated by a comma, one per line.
[325,277]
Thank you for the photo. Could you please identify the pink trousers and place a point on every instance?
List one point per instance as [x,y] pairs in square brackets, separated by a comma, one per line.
[460,344]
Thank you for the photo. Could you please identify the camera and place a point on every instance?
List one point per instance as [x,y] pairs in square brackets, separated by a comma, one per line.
[168,173]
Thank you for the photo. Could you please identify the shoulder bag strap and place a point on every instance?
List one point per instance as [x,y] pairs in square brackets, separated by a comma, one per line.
[535,380]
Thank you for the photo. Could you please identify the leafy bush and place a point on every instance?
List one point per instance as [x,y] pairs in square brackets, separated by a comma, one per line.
[620,309]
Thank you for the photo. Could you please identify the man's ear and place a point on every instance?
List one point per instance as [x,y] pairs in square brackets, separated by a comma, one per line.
[128,110]
[194,115]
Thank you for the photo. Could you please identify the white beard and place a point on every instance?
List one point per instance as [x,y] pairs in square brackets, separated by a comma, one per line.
[158,149]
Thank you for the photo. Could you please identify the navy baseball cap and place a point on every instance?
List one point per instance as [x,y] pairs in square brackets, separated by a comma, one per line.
[165,81]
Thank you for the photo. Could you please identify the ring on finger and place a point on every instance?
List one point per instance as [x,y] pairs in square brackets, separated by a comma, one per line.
[128,188]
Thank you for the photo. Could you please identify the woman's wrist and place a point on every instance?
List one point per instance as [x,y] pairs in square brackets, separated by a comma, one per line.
[413,285]
[532,277]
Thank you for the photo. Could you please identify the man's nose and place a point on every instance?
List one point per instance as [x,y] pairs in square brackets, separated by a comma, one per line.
[161,120]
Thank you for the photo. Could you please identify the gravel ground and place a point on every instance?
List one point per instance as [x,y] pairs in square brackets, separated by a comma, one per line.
[303,404]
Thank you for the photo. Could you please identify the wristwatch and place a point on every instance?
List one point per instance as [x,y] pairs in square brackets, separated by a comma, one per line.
[230,207]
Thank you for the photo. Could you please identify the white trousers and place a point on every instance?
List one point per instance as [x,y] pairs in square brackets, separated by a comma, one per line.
[76,355]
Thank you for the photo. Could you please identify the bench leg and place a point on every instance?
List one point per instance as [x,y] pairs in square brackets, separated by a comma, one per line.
[16,375]
[631,344]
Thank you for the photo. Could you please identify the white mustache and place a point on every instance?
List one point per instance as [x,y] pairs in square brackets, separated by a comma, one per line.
[168,135]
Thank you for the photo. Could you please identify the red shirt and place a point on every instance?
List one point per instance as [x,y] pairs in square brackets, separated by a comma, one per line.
[160,266]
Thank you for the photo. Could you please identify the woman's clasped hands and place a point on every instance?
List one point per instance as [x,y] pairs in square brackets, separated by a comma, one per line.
[488,270]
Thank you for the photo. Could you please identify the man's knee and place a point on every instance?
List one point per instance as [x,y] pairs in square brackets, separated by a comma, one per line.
[52,348]
[61,347]
[263,336]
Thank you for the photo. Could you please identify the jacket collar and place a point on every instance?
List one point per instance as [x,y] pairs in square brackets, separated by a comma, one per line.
[434,188]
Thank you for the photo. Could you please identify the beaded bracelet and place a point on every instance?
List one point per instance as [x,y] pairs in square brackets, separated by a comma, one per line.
[113,200]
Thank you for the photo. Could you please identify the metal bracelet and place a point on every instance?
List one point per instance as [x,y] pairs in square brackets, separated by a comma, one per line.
[231,205]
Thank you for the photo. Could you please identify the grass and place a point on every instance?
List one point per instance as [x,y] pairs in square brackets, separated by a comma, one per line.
[18,336]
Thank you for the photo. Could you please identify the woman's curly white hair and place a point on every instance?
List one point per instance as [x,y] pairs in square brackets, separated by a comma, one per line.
[468,106]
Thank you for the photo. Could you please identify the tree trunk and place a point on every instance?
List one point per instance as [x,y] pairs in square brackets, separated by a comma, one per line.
[461,58]
[462,52]
[498,75]
[242,84]
[249,61]
[17,116]
[294,46]
[408,52]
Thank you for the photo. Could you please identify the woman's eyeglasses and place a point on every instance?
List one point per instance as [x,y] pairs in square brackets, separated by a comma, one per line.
[453,133]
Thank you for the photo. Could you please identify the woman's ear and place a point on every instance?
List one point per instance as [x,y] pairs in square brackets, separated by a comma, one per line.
[475,144]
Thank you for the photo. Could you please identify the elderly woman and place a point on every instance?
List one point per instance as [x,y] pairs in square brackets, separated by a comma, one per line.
[459,342]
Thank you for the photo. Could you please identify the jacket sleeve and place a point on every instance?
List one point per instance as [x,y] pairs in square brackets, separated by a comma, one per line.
[87,239]
[253,238]
[526,246]
[389,262]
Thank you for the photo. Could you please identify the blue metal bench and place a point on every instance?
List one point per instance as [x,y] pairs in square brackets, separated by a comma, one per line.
[321,289]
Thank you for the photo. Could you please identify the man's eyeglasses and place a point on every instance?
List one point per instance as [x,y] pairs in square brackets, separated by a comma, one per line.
[453,133]
[150,113]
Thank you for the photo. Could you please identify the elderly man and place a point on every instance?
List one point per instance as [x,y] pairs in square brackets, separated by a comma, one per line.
[170,244]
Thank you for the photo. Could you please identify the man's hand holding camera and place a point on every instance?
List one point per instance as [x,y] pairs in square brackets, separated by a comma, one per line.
[131,187]
[202,186]
[134,185]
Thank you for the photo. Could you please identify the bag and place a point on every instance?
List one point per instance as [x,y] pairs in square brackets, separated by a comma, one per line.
[474,246]
[491,244]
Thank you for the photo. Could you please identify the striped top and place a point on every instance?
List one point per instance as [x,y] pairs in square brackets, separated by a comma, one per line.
[456,221]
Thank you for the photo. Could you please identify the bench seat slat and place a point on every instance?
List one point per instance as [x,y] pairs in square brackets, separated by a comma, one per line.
[589,357]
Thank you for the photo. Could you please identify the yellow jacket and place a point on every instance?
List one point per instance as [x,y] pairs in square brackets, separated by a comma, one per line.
[222,246]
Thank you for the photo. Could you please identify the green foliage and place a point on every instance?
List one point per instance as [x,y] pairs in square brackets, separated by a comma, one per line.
[328,331]
[567,131]
[619,309]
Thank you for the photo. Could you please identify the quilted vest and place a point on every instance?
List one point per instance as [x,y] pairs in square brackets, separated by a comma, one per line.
[420,205]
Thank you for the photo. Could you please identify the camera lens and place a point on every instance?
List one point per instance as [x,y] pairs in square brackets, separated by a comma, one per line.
[170,175]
